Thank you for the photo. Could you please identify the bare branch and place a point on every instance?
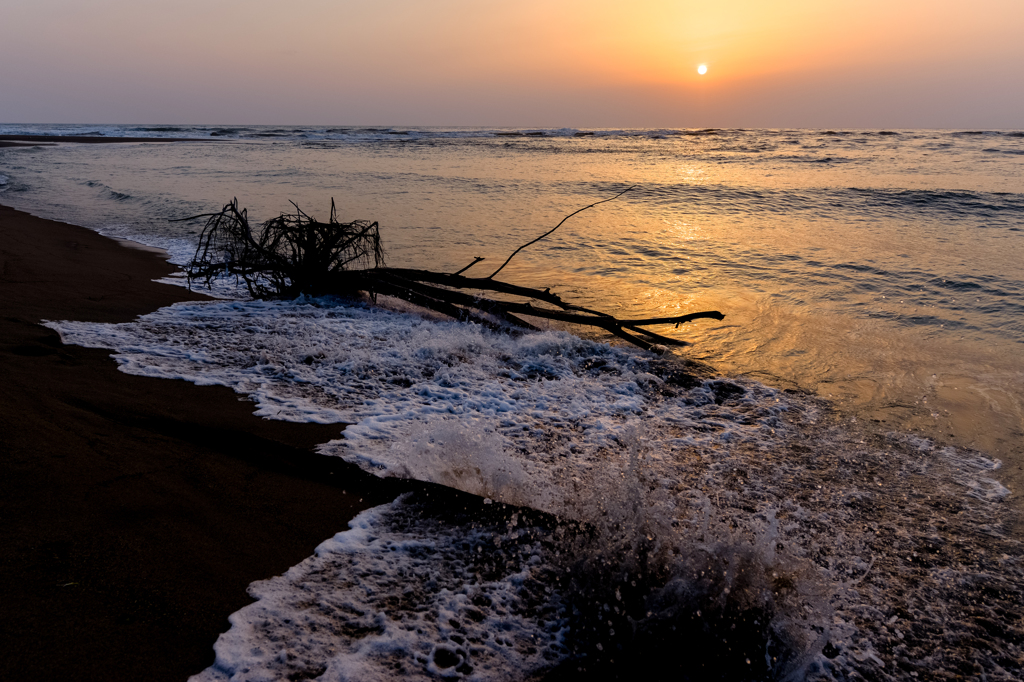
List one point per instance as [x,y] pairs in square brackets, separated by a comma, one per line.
[555,228]
[475,261]
[295,254]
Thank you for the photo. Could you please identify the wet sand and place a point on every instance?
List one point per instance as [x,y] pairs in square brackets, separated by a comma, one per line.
[134,511]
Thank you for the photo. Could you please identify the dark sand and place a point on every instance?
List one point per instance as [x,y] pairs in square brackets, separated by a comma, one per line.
[12,143]
[133,511]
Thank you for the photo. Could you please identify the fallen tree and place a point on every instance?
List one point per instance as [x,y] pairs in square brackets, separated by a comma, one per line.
[295,254]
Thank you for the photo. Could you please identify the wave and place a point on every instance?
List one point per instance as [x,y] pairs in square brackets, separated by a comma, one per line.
[876,559]
[669,501]
[108,192]
[980,207]
[727,136]
[1003,151]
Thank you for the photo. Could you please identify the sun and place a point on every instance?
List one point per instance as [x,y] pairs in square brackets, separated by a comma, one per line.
[702,69]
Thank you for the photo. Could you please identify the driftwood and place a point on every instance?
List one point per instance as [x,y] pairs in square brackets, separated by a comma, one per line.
[294,254]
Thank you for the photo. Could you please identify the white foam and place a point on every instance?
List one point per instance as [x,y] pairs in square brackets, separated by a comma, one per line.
[868,527]
[395,596]
[534,410]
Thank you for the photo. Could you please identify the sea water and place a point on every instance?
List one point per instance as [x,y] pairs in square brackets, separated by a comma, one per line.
[836,501]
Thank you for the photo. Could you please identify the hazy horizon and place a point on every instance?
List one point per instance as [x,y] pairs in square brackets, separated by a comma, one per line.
[413,126]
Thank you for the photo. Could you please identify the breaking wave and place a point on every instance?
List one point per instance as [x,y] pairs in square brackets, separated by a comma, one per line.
[629,512]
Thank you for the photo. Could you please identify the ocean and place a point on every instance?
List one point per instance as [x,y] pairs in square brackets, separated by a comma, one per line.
[837,500]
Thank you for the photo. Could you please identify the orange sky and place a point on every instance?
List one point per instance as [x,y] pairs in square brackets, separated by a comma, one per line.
[897,63]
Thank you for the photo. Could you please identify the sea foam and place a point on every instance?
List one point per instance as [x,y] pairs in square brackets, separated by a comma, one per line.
[750,519]
[518,416]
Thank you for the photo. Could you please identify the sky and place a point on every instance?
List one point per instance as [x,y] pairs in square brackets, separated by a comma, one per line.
[527,63]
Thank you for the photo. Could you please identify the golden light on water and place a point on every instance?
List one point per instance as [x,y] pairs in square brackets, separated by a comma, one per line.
[702,69]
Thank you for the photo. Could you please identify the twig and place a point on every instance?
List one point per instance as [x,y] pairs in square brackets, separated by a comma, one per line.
[475,261]
[552,230]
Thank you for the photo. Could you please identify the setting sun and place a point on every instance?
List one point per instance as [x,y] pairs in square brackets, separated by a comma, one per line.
[702,69]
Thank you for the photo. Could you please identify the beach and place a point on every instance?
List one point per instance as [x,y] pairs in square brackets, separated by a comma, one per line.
[134,511]
[170,460]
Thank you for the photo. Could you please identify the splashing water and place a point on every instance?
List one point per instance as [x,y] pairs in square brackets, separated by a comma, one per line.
[689,521]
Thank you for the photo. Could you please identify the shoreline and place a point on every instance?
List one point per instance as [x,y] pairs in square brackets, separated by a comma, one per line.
[135,511]
[51,140]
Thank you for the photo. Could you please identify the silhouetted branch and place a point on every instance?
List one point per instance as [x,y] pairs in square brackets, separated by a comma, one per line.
[295,254]
[550,231]
[475,261]
[291,254]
